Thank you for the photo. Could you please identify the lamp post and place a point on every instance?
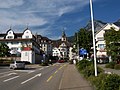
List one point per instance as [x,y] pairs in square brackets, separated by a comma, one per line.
[78,45]
[93,31]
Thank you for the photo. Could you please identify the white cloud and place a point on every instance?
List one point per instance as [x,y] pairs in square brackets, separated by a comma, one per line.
[55,37]
[10,3]
[65,10]
[36,12]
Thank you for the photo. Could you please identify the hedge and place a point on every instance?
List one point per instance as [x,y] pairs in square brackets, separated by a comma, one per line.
[103,81]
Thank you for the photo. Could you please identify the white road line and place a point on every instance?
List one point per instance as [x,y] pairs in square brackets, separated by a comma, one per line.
[8,75]
[31,71]
[6,72]
[31,78]
[10,79]
[25,71]
[41,68]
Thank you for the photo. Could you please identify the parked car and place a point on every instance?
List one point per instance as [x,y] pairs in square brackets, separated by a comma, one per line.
[61,61]
[17,65]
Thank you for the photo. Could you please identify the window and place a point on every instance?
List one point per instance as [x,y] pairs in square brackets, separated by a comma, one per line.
[27,32]
[44,49]
[10,37]
[15,42]
[10,32]
[26,36]
[26,54]
[101,46]
[100,38]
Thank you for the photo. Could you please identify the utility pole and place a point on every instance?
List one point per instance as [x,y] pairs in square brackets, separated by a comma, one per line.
[93,31]
[78,46]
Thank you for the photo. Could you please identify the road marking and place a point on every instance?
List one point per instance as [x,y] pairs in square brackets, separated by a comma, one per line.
[61,67]
[49,78]
[41,68]
[28,71]
[38,75]
[61,81]
[10,79]
[8,75]
[55,73]
[6,72]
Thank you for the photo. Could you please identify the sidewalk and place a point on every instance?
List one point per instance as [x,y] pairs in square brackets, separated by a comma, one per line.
[72,80]
[109,70]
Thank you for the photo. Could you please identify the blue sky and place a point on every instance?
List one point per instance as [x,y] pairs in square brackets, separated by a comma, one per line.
[49,17]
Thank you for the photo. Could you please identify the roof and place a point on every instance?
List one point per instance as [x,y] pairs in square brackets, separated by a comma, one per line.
[104,27]
[44,38]
[57,43]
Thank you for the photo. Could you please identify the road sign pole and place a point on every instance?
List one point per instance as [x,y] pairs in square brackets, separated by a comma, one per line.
[91,10]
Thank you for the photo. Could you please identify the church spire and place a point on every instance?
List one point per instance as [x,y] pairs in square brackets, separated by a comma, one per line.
[63,36]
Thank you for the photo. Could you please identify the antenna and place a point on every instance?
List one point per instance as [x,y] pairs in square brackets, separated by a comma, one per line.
[27,25]
[10,26]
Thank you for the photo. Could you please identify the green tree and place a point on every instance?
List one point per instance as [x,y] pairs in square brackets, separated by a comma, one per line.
[112,39]
[84,39]
[4,50]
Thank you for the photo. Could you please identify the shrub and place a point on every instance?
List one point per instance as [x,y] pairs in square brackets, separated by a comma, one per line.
[110,65]
[44,64]
[117,66]
[97,81]
[5,62]
[90,71]
[106,81]
[111,82]
[83,64]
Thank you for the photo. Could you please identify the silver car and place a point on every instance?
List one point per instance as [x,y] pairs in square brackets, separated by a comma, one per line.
[17,65]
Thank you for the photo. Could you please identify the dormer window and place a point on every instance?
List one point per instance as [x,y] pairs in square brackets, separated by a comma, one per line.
[27,32]
[9,37]
[10,32]
[27,36]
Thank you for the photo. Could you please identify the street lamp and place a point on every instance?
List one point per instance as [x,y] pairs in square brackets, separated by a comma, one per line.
[91,10]
[78,45]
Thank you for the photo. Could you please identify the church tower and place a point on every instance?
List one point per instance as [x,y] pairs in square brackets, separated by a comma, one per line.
[64,38]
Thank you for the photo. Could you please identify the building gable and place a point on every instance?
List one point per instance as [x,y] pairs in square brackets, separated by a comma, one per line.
[10,34]
[27,34]
[108,26]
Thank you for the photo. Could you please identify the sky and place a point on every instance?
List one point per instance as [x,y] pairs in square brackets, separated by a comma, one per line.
[50,17]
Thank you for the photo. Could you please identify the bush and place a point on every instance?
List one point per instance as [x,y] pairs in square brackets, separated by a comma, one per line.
[83,64]
[110,65]
[5,62]
[117,66]
[111,82]
[97,81]
[106,81]
[44,64]
[90,71]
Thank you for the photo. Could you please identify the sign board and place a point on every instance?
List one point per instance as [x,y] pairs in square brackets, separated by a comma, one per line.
[83,51]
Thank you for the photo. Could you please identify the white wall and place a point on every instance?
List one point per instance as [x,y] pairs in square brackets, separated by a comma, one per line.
[27,56]
[100,34]
[27,34]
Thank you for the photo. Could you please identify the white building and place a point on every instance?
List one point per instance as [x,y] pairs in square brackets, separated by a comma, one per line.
[71,54]
[56,52]
[61,47]
[45,44]
[99,37]
[24,45]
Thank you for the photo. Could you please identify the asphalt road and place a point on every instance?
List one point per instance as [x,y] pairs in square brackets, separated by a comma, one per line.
[42,78]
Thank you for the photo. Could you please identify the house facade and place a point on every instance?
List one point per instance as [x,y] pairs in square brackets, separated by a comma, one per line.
[24,45]
[45,44]
[61,47]
[100,42]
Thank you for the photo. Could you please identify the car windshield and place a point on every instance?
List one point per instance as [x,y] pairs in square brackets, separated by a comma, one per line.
[19,62]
